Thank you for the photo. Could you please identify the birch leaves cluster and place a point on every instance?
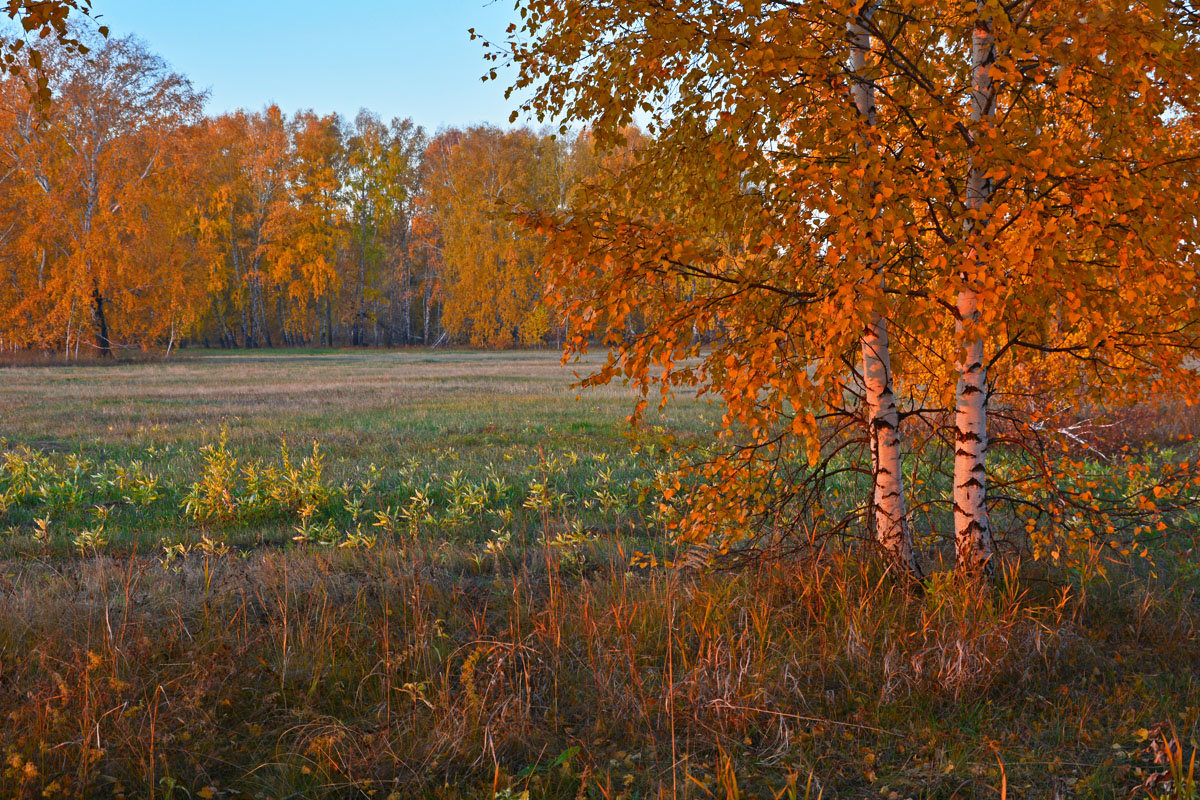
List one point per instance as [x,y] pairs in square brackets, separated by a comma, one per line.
[853,221]
[39,21]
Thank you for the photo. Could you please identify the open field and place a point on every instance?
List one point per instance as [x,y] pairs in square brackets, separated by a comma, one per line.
[440,604]
[419,419]
[362,407]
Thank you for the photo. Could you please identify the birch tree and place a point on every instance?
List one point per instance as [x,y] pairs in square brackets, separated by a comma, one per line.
[889,508]
[379,177]
[974,548]
[93,166]
[1028,201]
[473,181]
[312,233]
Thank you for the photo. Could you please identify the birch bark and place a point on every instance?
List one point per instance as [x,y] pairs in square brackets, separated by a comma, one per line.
[973,544]
[889,510]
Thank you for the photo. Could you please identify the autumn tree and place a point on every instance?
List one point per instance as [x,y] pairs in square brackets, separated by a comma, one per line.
[24,257]
[251,214]
[983,188]
[381,170]
[307,260]
[402,273]
[94,169]
[889,506]
[166,253]
[473,184]
[128,219]
[313,220]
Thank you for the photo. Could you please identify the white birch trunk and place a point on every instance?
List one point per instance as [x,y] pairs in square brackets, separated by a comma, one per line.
[888,506]
[973,545]
[889,512]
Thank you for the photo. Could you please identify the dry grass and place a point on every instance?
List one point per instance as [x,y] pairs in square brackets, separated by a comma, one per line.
[402,396]
[440,665]
[425,672]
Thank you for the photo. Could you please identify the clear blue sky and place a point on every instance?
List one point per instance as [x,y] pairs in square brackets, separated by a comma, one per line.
[406,58]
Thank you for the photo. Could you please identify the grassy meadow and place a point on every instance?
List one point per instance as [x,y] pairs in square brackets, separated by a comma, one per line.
[402,422]
[437,601]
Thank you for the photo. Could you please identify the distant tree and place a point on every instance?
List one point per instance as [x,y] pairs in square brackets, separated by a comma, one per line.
[401,281]
[473,184]
[380,172]
[252,215]
[103,170]
[128,219]
[307,258]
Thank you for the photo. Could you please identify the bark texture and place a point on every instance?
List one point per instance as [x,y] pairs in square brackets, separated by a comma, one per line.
[973,544]
[889,511]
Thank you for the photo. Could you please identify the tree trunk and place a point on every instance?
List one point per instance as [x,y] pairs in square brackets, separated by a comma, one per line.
[888,505]
[103,344]
[406,298]
[238,297]
[889,511]
[228,340]
[428,307]
[328,321]
[67,341]
[281,321]
[973,545]
[360,320]
[264,326]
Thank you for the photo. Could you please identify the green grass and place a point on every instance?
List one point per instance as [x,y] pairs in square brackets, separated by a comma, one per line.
[487,647]
[404,421]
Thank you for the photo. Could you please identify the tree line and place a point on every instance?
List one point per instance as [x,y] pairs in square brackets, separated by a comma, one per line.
[131,219]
